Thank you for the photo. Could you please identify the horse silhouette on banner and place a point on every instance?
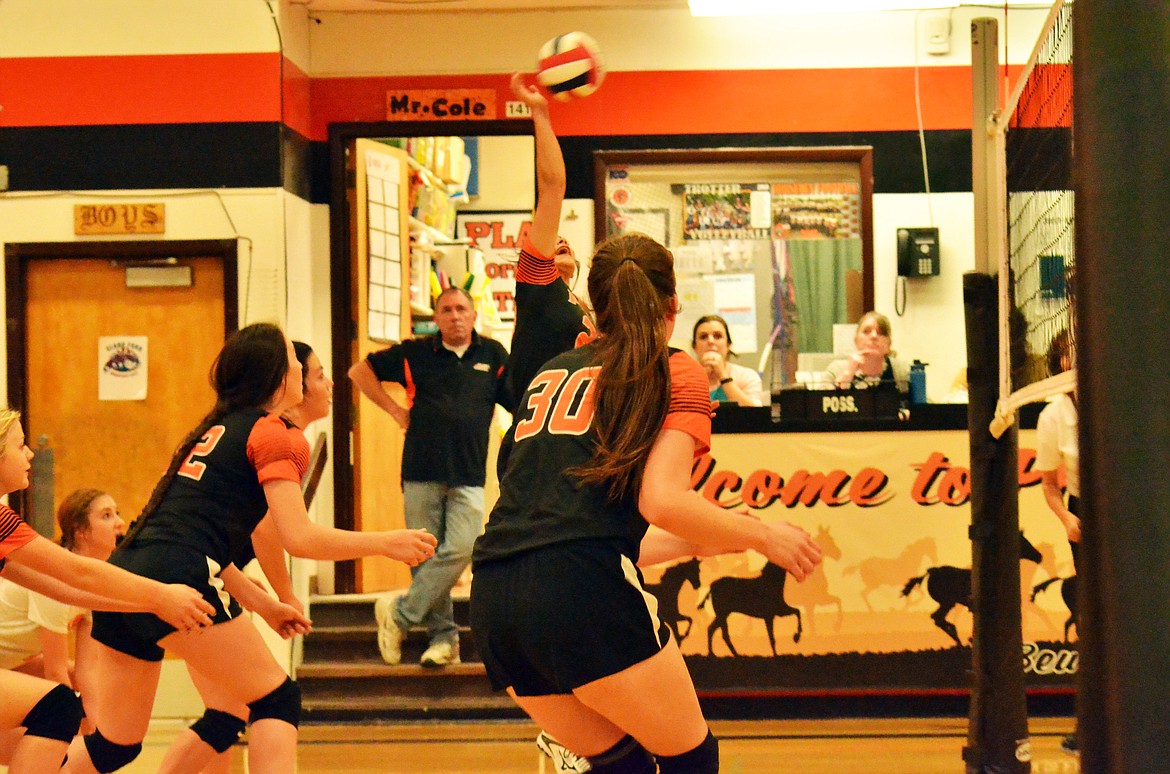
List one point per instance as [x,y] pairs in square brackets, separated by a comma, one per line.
[759,597]
[814,591]
[950,586]
[666,592]
[1068,592]
[878,571]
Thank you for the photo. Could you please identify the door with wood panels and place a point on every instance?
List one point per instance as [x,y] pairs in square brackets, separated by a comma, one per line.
[120,446]
[381,251]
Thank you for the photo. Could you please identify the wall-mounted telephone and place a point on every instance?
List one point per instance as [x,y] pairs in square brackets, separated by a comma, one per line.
[918,252]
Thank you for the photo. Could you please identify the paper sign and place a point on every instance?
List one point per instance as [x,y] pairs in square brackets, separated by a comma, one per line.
[122,367]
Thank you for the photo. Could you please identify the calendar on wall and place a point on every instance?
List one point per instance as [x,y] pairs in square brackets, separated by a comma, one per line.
[384,246]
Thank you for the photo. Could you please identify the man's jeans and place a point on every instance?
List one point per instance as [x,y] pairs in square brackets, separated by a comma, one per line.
[454,515]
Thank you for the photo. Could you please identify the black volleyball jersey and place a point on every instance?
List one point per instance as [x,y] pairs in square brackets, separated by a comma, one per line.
[14,532]
[217,497]
[549,319]
[540,504]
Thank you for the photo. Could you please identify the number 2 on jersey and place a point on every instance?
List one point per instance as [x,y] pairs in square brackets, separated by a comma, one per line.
[193,468]
[553,404]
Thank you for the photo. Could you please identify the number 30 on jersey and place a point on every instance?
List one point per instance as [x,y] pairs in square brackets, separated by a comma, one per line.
[560,402]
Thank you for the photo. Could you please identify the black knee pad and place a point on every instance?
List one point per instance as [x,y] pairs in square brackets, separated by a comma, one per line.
[704,759]
[218,729]
[282,704]
[625,757]
[108,756]
[56,716]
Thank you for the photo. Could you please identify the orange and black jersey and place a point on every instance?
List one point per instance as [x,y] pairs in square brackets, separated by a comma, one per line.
[549,319]
[540,504]
[14,533]
[452,401]
[217,497]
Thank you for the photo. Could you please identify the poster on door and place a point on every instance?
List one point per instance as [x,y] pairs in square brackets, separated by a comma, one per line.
[499,236]
[122,365]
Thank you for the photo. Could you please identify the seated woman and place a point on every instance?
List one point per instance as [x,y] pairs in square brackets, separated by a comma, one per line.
[874,363]
[34,628]
[726,381]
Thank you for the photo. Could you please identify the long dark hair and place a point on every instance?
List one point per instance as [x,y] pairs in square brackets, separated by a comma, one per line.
[246,373]
[632,289]
[303,351]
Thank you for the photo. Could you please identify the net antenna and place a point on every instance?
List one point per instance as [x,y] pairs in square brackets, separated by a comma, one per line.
[1036,257]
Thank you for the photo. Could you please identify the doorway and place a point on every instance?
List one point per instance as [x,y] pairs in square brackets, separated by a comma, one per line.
[63,297]
[352,427]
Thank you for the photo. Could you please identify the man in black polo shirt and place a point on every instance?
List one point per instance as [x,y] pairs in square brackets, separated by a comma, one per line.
[453,381]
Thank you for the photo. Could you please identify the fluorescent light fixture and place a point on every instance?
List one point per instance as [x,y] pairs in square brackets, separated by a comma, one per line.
[777,7]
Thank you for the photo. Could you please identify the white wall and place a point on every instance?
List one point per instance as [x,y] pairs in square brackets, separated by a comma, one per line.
[124,27]
[356,44]
[931,328]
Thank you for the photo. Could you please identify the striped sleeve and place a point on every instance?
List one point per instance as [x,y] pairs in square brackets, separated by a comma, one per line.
[534,268]
[14,533]
[690,401]
[278,452]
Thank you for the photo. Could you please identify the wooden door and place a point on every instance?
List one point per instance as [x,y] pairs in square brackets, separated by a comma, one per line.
[380,234]
[121,446]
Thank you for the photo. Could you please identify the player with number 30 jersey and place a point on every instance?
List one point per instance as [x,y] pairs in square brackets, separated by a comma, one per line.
[538,504]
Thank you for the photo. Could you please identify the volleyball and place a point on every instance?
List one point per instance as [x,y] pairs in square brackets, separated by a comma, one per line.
[570,66]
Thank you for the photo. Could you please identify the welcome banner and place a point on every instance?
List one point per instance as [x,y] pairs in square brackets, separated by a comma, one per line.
[887,609]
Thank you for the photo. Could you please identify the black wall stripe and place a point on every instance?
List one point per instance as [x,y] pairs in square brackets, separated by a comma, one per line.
[897,157]
[265,155]
[80,158]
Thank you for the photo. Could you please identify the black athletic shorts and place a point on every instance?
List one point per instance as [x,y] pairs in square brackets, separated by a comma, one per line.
[558,617]
[137,634]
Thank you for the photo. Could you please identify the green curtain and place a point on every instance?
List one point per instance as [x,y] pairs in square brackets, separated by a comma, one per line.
[819,267]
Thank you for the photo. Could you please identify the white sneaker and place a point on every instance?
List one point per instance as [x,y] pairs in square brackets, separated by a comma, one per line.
[390,637]
[440,654]
[562,757]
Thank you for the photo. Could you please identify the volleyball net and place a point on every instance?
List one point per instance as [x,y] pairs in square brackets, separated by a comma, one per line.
[1037,259]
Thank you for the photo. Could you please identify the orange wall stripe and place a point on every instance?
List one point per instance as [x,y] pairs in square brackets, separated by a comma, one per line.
[699,102]
[109,90]
[296,98]
[208,88]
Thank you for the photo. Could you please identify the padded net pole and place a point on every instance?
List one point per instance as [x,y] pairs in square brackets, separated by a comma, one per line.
[997,735]
[1122,183]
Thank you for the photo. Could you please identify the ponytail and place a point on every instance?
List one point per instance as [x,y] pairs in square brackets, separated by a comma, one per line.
[247,373]
[631,284]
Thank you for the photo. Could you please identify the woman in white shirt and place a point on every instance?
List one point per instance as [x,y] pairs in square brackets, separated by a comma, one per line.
[727,382]
[873,363]
[1056,448]
[34,628]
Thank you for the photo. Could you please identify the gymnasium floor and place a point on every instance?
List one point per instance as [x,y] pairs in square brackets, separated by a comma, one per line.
[872,746]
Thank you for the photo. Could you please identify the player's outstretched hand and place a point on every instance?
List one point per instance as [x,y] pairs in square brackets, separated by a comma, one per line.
[529,95]
[793,549]
[183,607]
[285,620]
[412,546]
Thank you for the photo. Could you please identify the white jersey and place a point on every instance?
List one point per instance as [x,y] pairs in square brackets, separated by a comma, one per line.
[22,613]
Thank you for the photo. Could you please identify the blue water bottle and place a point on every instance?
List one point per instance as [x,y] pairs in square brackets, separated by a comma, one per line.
[917,382]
